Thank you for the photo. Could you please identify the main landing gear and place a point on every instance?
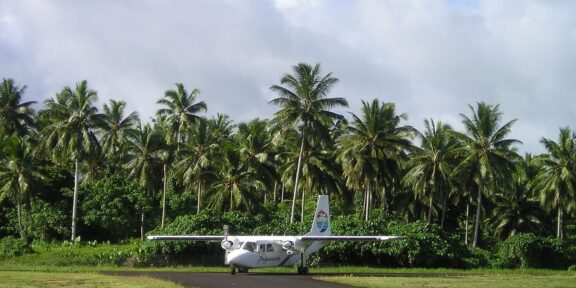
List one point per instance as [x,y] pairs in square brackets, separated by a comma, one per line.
[240,270]
[302,269]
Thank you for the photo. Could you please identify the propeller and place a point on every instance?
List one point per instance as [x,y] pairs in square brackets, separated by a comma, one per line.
[226,244]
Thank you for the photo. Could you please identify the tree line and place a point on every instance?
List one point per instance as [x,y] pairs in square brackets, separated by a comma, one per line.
[372,164]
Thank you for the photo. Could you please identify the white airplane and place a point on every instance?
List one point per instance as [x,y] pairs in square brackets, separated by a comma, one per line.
[245,252]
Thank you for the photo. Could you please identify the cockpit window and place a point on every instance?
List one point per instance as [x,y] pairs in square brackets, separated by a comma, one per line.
[249,246]
[269,248]
[262,248]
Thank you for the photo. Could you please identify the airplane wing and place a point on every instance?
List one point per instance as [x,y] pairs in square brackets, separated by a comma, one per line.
[187,238]
[351,238]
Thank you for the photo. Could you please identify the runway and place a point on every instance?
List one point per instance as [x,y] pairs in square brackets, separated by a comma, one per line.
[218,280]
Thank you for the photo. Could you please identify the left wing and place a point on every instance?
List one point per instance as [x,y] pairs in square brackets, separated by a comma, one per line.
[351,238]
[187,238]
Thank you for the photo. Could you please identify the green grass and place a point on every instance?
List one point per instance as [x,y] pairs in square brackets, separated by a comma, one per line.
[471,280]
[85,280]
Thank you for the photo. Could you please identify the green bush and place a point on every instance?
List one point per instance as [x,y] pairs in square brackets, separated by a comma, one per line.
[424,246]
[12,247]
[526,250]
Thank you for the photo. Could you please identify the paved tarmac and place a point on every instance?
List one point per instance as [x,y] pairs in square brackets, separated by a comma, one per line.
[252,280]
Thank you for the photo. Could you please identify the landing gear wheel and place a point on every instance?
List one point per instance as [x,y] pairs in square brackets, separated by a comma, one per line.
[232,270]
[242,270]
[302,270]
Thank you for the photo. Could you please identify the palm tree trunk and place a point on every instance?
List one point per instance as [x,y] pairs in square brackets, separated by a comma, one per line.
[296,180]
[199,197]
[383,201]
[466,223]
[274,194]
[302,210]
[367,205]
[444,204]
[429,220]
[164,199]
[75,199]
[19,220]
[478,214]
[142,226]
[559,220]
[282,195]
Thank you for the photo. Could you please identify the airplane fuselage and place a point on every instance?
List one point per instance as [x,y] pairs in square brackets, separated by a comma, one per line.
[258,252]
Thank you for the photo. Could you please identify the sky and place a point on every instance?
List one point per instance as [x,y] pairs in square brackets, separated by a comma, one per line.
[432,58]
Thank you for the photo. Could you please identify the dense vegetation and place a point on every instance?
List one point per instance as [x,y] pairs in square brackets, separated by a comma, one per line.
[464,198]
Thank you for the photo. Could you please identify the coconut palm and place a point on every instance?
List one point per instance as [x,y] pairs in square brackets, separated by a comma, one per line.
[305,105]
[485,152]
[181,110]
[196,159]
[145,148]
[516,209]
[255,147]
[320,173]
[236,186]
[555,183]
[114,129]
[15,116]
[372,150]
[20,173]
[70,134]
[430,166]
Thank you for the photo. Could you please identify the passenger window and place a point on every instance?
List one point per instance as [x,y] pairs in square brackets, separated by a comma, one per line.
[269,248]
[261,248]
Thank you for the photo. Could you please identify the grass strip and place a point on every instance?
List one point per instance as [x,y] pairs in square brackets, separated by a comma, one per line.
[506,280]
[84,280]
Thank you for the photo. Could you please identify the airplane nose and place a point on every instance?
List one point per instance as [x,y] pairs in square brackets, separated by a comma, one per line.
[238,258]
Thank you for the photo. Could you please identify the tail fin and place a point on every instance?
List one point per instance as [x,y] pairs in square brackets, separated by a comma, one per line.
[321,223]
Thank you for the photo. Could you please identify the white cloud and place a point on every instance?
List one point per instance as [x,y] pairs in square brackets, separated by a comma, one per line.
[432,58]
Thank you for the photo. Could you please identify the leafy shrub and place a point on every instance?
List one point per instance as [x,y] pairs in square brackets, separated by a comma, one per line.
[12,247]
[526,250]
[424,246]
[109,208]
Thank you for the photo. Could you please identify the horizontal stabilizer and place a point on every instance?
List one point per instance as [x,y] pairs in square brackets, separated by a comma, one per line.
[351,238]
[187,238]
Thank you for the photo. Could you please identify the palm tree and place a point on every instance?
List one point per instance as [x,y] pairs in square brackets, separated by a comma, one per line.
[70,135]
[236,186]
[196,158]
[114,130]
[19,174]
[302,97]
[145,148]
[180,110]
[486,152]
[15,117]
[178,115]
[556,182]
[431,166]
[255,147]
[374,147]
[319,170]
[516,209]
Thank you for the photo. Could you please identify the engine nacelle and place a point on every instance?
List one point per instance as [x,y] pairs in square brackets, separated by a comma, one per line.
[289,251]
[226,244]
[287,245]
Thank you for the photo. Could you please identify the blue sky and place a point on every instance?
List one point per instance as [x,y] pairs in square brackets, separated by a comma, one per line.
[431,57]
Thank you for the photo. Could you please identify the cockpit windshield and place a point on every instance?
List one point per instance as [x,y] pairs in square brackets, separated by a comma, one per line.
[250,246]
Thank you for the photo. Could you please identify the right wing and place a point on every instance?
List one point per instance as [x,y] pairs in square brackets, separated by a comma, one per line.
[351,238]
